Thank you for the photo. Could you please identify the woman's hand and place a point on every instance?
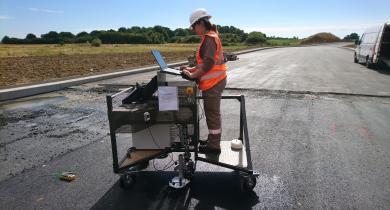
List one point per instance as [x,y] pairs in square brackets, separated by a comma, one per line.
[183,67]
[189,74]
[190,69]
[193,73]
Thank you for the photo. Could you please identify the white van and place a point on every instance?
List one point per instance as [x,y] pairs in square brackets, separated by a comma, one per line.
[373,48]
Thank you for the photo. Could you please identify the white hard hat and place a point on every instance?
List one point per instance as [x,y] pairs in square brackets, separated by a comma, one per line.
[198,14]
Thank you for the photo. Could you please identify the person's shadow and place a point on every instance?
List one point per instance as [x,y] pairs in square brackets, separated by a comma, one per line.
[207,190]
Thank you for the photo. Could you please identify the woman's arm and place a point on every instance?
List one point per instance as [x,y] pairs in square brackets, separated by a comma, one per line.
[207,52]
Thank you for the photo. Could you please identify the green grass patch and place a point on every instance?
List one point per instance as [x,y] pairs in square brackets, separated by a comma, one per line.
[18,50]
[283,42]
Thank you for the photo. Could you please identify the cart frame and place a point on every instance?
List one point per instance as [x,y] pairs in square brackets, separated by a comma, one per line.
[243,136]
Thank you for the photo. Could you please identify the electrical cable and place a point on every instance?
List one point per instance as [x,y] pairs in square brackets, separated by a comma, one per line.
[151,135]
[159,147]
[167,166]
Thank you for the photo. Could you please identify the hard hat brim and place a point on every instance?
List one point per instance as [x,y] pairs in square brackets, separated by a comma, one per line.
[206,16]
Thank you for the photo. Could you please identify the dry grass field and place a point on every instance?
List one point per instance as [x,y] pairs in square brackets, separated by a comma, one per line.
[28,64]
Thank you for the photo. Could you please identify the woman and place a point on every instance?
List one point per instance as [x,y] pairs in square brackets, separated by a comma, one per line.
[210,74]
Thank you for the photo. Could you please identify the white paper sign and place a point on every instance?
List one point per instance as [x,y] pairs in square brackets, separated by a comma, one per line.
[167,98]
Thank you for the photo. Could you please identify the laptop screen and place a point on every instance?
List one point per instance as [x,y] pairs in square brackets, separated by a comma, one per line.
[159,59]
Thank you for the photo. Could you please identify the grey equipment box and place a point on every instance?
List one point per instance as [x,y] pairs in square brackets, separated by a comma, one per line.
[157,136]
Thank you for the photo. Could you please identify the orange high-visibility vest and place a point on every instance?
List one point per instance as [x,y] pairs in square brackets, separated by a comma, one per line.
[218,71]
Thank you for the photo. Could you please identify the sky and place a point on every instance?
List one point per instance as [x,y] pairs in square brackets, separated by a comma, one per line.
[286,18]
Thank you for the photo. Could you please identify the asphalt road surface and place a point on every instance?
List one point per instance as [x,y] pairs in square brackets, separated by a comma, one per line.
[319,126]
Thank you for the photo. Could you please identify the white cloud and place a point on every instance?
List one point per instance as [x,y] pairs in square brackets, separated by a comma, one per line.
[45,10]
[304,31]
[4,17]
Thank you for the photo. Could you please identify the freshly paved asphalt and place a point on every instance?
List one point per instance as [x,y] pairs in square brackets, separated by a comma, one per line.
[319,127]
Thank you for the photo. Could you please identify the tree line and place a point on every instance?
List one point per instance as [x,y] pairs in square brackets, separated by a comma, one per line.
[352,37]
[138,35]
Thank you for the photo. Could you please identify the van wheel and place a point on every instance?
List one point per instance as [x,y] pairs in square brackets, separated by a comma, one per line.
[368,63]
[355,60]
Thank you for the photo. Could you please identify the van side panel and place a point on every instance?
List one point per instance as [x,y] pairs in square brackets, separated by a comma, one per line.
[375,45]
[384,48]
[368,44]
[375,51]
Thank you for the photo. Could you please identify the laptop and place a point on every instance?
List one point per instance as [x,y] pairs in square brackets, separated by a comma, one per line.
[164,67]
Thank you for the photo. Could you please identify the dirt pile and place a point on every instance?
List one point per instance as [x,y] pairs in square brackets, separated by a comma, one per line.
[321,38]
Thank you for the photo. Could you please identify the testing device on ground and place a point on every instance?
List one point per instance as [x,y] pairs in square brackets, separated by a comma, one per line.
[161,118]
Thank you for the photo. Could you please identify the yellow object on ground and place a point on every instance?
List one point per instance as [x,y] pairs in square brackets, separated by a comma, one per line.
[67,176]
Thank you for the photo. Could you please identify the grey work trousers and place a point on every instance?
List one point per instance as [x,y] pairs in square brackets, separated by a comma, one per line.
[212,103]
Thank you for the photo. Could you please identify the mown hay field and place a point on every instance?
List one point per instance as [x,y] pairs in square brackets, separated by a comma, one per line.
[28,64]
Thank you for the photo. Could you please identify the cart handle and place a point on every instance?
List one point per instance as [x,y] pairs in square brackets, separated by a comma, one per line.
[110,97]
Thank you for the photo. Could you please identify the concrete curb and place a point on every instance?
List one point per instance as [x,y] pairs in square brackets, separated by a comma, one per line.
[254,50]
[347,48]
[30,90]
[24,91]
[267,48]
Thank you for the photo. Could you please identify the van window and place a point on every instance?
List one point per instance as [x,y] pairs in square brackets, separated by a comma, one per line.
[361,39]
[369,38]
[386,35]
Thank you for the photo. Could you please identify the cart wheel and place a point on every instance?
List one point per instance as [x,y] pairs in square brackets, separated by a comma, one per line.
[247,183]
[176,193]
[127,180]
[143,165]
[190,171]
[203,142]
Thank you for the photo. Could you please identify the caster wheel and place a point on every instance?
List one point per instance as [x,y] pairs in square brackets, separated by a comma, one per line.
[190,170]
[127,180]
[176,193]
[247,183]
[203,142]
[143,165]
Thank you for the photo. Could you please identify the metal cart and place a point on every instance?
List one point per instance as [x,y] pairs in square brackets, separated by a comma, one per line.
[142,114]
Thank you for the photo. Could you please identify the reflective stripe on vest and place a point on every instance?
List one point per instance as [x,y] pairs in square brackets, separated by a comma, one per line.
[212,75]
[218,71]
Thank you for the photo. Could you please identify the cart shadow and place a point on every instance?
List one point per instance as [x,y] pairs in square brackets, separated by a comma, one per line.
[206,191]
[382,70]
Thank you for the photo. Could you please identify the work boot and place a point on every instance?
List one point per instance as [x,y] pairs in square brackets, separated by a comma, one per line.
[213,145]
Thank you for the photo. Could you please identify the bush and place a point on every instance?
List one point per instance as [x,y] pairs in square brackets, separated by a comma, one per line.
[96,42]
[6,40]
[51,38]
[230,38]
[255,38]
[155,37]
[190,39]
[31,36]
[352,36]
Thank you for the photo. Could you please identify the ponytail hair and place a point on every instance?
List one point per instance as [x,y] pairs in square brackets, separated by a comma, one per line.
[214,28]
[208,25]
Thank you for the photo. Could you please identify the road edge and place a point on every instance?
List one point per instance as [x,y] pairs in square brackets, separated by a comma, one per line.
[30,90]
